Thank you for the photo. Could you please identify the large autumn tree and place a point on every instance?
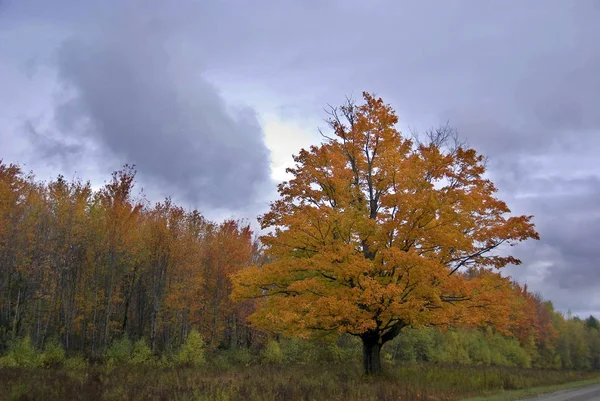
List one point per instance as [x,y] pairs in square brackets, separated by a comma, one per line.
[376,232]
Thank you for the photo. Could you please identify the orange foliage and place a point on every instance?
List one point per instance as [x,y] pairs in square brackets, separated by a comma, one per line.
[376,232]
[90,266]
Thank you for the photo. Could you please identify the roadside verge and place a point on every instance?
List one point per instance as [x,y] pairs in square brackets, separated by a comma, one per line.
[514,395]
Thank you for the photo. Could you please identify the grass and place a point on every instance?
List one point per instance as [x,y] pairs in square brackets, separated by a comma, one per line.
[421,382]
[515,395]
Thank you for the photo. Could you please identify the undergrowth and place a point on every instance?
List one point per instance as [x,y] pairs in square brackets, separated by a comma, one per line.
[271,381]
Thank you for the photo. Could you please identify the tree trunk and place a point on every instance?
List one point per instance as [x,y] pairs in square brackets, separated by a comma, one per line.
[16,319]
[213,340]
[153,327]
[371,355]
[128,297]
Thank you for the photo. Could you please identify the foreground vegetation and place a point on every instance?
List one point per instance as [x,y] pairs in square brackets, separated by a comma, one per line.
[271,382]
[531,392]
[288,369]
[87,268]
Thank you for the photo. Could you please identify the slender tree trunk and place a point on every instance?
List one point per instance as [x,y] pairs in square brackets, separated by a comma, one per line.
[16,319]
[83,336]
[37,315]
[153,325]
[184,326]
[8,299]
[233,342]
[109,295]
[371,355]
[158,291]
[216,312]
[128,297]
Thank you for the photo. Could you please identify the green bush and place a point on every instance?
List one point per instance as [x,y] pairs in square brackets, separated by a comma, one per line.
[54,354]
[403,347]
[272,353]
[165,361]
[478,348]
[119,352]
[427,344]
[517,356]
[75,362]
[142,354]
[300,351]
[332,353]
[221,361]
[417,345]
[293,350]
[22,354]
[239,356]
[225,359]
[7,362]
[454,350]
[192,350]
[296,350]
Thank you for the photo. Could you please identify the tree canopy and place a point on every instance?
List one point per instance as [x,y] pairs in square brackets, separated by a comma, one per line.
[91,266]
[376,231]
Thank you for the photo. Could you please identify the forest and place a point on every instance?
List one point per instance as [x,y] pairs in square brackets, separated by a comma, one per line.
[100,279]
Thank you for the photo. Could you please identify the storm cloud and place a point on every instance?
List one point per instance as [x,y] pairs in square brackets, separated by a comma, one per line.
[127,85]
[168,86]
[150,105]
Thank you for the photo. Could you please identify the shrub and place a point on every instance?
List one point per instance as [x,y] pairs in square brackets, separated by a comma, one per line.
[242,356]
[454,347]
[350,349]
[296,350]
[220,361]
[21,353]
[119,352]
[165,361]
[75,362]
[403,346]
[142,354]
[7,362]
[478,348]
[301,351]
[236,357]
[272,354]
[517,356]
[192,350]
[54,354]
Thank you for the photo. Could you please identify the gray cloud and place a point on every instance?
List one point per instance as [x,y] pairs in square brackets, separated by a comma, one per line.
[150,105]
[518,79]
[48,147]
[131,86]
[565,265]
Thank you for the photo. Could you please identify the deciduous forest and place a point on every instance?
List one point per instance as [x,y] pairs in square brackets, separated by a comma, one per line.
[382,253]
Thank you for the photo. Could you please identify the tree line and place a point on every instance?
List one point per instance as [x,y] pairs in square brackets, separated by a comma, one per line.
[560,343]
[88,266]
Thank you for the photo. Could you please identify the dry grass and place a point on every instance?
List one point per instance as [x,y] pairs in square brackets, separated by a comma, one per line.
[264,383]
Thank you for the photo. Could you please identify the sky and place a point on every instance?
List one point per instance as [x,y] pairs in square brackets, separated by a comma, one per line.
[210,99]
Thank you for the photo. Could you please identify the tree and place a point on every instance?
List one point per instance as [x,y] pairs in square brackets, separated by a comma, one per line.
[376,232]
[229,248]
[115,215]
[592,323]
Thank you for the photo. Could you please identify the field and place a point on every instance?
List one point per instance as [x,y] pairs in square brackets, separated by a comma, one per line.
[273,382]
